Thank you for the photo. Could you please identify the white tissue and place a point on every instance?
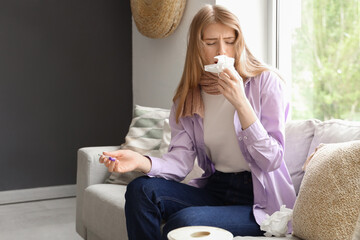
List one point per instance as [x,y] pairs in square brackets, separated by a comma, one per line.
[223,62]
[276,224]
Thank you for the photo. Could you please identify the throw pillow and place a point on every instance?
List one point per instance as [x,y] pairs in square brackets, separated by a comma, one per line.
[146,136]
[335,131]
[298,136]
[328,203]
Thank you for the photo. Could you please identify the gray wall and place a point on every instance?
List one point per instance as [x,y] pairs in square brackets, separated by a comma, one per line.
[65,83]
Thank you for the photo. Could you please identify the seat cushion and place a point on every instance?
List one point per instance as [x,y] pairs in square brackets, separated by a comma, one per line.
[103,211]
[288,237]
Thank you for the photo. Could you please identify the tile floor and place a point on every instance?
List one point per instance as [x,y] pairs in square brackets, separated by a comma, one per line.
[39,220]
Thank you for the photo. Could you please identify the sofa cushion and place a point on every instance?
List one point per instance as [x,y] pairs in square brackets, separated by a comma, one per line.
[103,208]
[356,235]
[328,203]
[149,134]
[288,237]
[298,137]
[335,131]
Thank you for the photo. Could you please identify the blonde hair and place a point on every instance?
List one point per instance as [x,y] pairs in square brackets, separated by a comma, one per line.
[245,63]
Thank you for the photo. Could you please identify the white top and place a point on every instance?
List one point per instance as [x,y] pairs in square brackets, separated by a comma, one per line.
[219,134]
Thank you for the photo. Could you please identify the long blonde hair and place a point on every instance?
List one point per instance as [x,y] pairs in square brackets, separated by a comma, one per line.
[245,63]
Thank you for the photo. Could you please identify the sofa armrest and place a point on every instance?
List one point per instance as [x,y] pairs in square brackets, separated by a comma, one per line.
[89,172]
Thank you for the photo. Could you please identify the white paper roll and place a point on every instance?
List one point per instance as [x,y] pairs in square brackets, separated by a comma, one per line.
[200,233]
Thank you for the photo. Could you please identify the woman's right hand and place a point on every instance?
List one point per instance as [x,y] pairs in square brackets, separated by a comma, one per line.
[126,161]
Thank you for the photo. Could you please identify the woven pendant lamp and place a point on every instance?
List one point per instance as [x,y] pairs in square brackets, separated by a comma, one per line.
[157,18]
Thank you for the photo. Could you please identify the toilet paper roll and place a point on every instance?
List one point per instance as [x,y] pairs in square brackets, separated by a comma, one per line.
[200,233]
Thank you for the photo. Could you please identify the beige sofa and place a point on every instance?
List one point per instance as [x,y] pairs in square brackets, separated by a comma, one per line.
[100,206]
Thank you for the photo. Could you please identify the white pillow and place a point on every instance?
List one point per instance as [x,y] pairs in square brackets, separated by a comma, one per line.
[335,131]
[298,137]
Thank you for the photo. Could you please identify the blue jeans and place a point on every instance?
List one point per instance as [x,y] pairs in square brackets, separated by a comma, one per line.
[226,202]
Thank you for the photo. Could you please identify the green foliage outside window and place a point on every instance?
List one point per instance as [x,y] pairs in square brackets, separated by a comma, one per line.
[326,60]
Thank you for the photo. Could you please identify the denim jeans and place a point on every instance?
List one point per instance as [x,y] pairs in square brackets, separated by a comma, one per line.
[226,202]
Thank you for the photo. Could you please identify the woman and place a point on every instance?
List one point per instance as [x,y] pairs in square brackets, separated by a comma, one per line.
[233,123]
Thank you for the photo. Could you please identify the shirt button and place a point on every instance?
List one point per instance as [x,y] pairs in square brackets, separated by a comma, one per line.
[240,138]
[245,137]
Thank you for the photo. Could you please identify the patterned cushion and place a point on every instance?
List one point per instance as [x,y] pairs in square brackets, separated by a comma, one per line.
[328,203]
[149,134]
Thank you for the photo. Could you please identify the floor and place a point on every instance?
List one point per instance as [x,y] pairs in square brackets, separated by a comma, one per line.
[39,220]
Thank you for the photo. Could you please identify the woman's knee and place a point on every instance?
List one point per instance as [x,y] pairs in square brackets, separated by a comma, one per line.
[183,218]
[135,187]
[186,217]
[142,186]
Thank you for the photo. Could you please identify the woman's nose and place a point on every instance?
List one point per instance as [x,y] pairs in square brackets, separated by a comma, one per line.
[221,49]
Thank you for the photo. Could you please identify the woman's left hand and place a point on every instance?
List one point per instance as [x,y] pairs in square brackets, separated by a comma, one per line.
[231,85]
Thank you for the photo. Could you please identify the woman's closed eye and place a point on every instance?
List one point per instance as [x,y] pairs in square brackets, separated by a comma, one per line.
[230,40]
[210,43]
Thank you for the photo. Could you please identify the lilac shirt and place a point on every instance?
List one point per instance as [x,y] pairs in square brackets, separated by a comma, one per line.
[262,145]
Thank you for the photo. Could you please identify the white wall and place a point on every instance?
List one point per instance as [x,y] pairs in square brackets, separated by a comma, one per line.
[252,16]
[158,63]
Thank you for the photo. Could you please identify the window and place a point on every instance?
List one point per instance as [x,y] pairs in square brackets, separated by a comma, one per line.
[318,51]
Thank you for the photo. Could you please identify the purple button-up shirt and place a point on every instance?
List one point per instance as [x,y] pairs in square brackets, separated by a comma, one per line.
[262,145]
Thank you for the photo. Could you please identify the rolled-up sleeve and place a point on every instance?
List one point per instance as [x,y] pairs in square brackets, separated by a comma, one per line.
[264,139]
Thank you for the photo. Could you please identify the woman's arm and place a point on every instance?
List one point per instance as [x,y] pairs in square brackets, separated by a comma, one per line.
[125,161]
[231,85]
[265,138]
[174,165]
[179,160]
[261,131]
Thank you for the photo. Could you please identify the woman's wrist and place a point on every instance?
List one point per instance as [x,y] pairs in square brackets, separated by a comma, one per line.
[246,114]
[145,165]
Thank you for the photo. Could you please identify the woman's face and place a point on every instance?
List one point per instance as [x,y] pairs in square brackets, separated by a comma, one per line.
[218,39]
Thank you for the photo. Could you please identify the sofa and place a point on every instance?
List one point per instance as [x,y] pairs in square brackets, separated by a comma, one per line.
[100,194]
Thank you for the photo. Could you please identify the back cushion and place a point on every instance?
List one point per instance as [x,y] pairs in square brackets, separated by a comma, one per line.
[298,137]
[335,131]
